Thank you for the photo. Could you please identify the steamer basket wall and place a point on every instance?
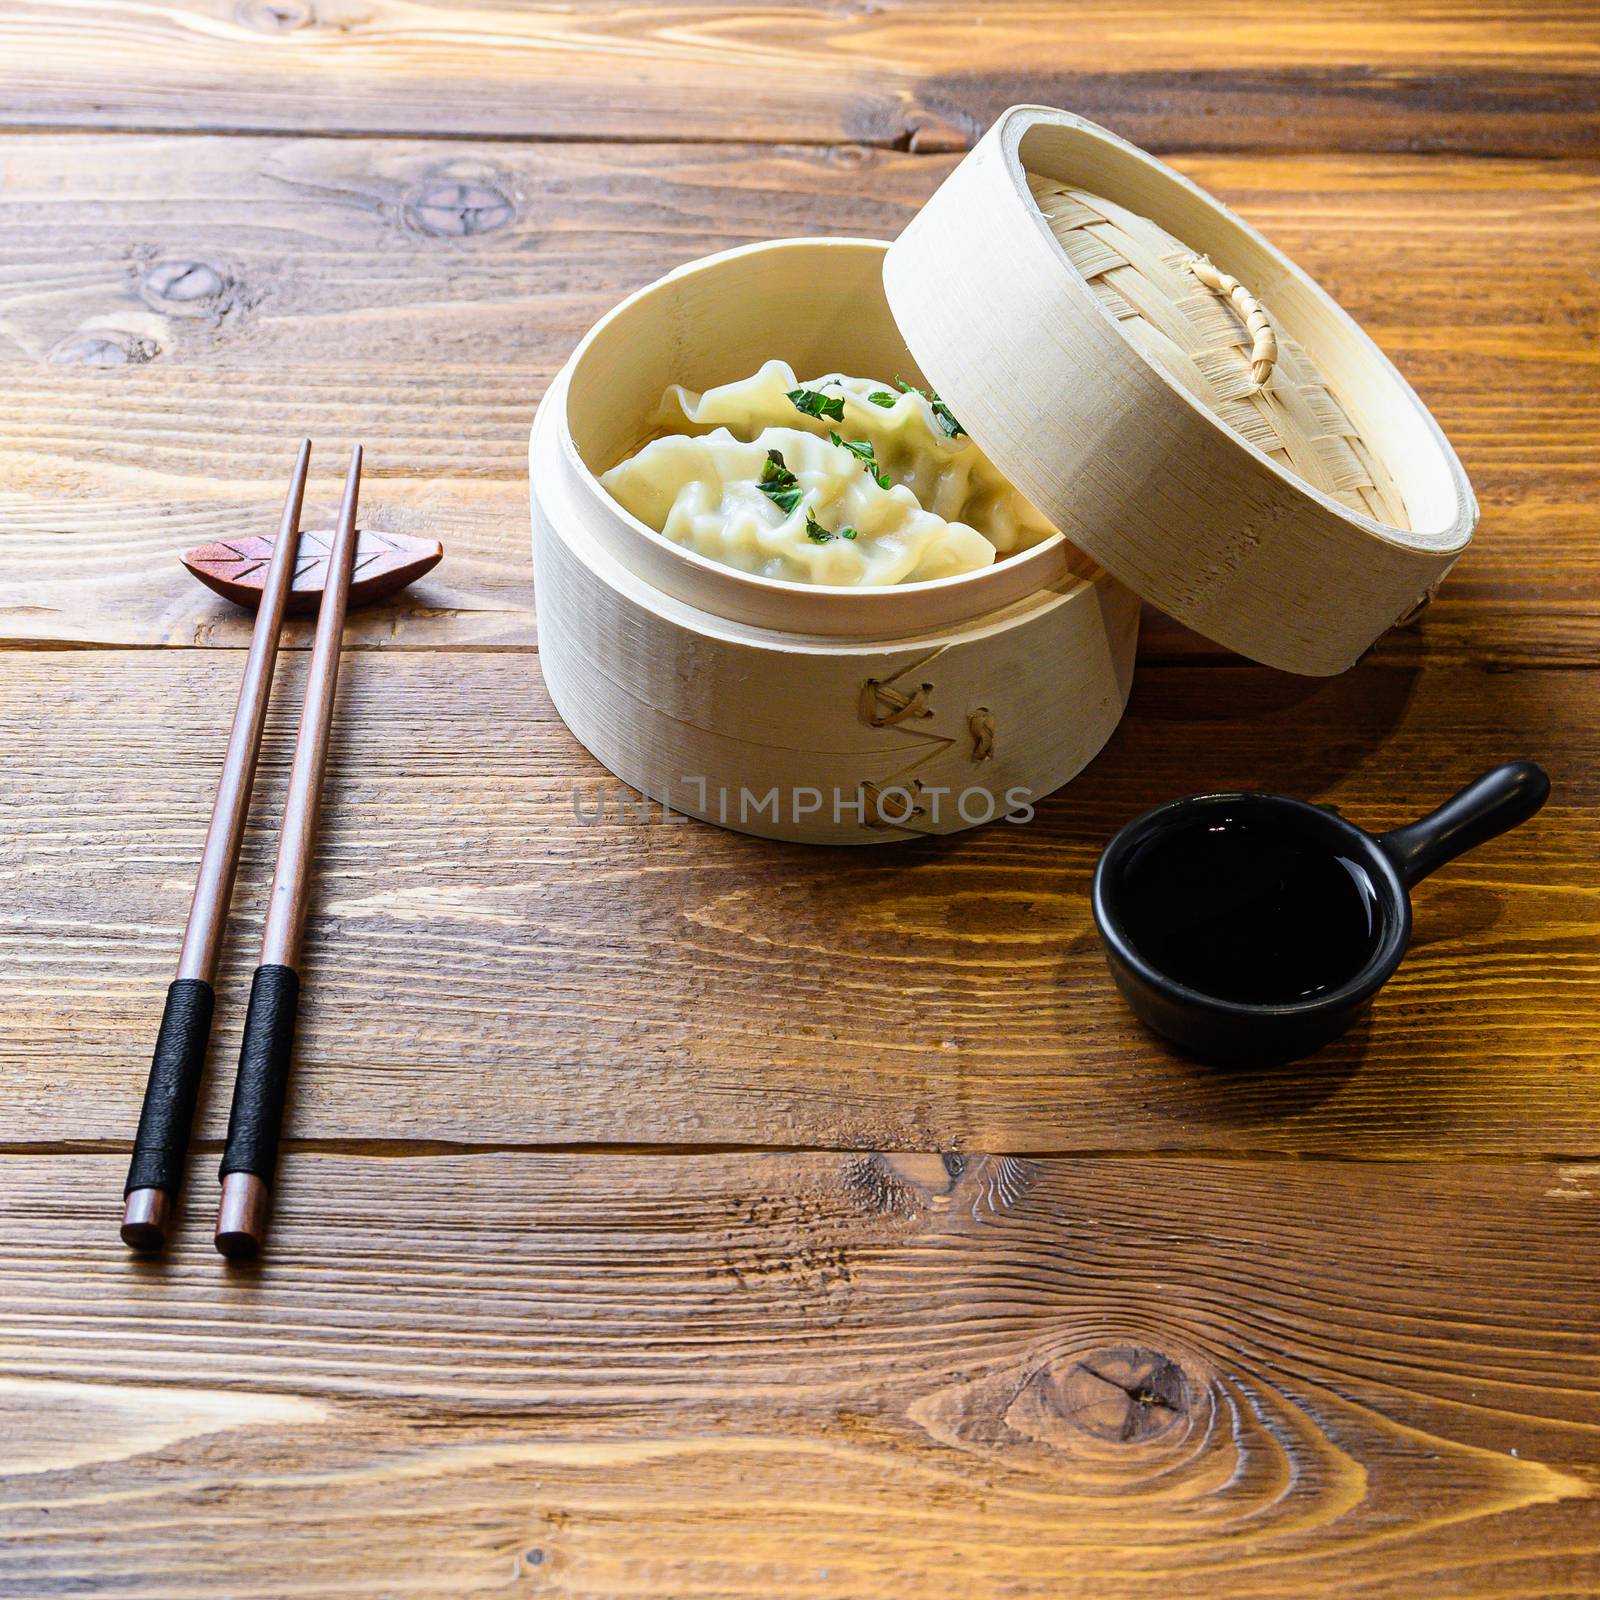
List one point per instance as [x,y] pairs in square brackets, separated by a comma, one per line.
[688,678]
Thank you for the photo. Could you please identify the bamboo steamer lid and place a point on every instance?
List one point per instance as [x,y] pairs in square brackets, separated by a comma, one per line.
[1182,401]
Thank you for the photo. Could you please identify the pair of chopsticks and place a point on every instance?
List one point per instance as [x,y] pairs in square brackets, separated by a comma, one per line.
[249,1158]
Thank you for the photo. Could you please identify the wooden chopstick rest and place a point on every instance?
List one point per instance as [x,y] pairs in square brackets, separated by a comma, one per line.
[385,563]
[155,1173]
[255,1123]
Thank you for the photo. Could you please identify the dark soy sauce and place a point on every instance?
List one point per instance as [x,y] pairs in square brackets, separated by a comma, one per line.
[1249,911]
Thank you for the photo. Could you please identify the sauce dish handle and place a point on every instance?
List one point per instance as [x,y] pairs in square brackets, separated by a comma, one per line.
[1501,799]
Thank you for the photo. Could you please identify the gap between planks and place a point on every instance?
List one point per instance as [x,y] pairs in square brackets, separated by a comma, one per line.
[903,143]
[906,142]
[433,1149]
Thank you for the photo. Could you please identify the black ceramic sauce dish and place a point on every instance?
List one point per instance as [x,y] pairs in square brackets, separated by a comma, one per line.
[1251,929]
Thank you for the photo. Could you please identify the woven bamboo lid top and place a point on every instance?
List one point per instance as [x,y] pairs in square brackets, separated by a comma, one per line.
[1210,334]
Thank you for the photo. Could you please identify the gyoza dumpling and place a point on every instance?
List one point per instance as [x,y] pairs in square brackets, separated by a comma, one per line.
[822,517]
[916,442]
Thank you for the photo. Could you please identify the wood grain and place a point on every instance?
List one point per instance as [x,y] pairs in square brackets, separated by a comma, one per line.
[1514,76]
[1183,1366]
[822,1375]
[485,966]
[145,286]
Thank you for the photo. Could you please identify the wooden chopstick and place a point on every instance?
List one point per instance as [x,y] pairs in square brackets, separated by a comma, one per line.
[259,1091]
[155,1174]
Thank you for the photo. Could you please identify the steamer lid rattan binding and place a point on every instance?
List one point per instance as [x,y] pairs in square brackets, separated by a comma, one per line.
[1178,310]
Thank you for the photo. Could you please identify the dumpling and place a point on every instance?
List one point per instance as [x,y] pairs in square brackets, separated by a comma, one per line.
[916,441]
[787,504]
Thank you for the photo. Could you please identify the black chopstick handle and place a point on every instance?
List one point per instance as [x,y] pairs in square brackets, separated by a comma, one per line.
[262,1085]
[162,1141]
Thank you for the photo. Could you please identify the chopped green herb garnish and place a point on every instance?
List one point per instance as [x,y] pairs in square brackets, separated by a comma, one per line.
[817,534]
[862,450]
[946,419]
[814,403]
[778,483]
[882,397]
[775,471]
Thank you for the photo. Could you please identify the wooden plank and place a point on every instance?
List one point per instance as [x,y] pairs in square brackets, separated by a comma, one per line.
[1507,77]
[485,965]
[763,1376]
[177,311]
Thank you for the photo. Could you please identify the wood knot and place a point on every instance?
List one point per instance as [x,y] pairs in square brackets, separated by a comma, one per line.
[878,1190]
[107,348]
[883,706]
[1125,1394]
[185,288]
[983,1186]
[850,157]
[1126,1409]
[274,16]
[459,205]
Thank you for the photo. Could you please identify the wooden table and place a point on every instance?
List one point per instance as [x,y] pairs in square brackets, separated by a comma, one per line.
[671,1214]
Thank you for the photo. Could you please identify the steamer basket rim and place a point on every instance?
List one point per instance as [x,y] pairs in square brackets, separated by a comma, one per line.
[1051,563]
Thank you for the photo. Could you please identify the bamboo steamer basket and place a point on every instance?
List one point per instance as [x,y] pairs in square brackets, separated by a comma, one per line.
[1096,321]
[874,713]
[1205,426]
